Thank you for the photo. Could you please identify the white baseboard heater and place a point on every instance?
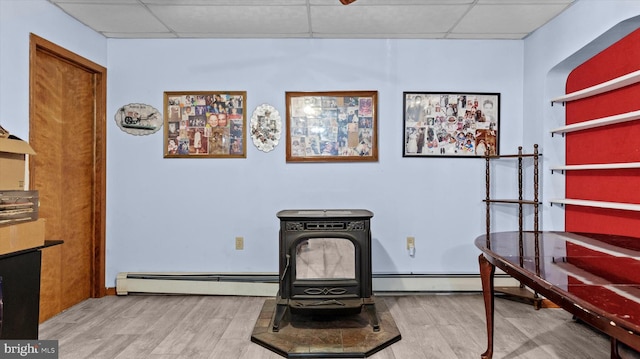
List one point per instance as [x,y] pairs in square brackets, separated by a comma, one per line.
[266,284]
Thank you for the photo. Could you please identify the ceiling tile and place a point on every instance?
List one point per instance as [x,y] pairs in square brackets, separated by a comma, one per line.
[114,17]
[105,2]
[484,36]
[393,2]
[386,19]
[231,35]
[508,18]
[141,35]
[471,19]
[224,2]
[523,2]
[233,19]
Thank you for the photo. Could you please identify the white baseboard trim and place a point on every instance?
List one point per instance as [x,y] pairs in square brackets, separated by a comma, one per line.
[266,284]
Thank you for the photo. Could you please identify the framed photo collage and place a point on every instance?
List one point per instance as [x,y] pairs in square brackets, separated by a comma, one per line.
[331,126]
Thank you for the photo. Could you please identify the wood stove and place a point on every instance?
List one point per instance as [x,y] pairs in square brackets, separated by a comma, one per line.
[325,264]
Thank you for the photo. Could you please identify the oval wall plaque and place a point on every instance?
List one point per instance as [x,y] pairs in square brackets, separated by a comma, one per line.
[266,127]
[138,119]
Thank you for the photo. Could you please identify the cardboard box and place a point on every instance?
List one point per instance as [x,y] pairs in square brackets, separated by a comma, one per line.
[22,236]
[13,153]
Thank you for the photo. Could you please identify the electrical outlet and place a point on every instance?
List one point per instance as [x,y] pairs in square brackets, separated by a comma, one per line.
[411,242]
[239,243]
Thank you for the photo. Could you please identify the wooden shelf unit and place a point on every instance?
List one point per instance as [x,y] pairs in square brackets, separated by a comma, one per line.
[520,201]
[520,293]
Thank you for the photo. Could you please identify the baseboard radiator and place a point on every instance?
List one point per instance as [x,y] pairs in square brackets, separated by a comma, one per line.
[266,284]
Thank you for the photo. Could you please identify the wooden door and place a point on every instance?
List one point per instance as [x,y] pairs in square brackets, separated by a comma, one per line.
[67,131]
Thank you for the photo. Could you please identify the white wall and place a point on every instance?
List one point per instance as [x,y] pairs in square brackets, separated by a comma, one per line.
[183,214]
[585,29]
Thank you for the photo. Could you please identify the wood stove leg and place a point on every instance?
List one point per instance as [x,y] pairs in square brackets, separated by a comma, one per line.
[487,271]
[373,316]
[281,309]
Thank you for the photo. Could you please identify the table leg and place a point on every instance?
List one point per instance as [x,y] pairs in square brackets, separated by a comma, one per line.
[615,354]
[487,271]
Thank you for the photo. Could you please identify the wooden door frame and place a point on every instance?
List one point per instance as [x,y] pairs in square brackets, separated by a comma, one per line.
[98,288]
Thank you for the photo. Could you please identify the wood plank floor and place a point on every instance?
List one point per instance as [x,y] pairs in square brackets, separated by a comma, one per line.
[219,327]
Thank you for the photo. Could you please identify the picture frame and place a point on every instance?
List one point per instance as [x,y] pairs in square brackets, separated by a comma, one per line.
[205,124]
[332,126]
[451,124]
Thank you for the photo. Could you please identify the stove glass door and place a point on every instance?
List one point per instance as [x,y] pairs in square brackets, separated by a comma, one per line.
[325,258]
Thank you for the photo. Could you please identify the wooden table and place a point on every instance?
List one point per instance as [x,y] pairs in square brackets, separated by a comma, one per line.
[595,277]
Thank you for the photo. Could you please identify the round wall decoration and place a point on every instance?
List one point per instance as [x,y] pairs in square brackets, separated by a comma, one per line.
[138,119]
[266,127]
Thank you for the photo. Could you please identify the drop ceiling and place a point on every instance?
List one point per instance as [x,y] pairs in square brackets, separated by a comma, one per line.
[375,19]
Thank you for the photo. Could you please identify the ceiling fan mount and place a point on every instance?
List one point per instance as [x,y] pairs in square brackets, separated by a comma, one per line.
[347,2]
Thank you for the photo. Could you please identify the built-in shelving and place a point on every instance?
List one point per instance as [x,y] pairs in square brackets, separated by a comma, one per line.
[597,166]
[597,204]
[604,121]
[614,84]
[618,82]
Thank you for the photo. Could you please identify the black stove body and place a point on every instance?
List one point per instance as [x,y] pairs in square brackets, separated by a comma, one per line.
[325,296]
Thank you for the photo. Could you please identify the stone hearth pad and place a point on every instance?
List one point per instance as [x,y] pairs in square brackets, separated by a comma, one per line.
[347,336]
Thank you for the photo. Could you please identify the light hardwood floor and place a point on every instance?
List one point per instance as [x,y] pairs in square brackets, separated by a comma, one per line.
[219,327]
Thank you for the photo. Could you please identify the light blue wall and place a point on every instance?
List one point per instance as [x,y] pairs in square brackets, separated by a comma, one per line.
[585,29]
[183,214]
[19,18]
